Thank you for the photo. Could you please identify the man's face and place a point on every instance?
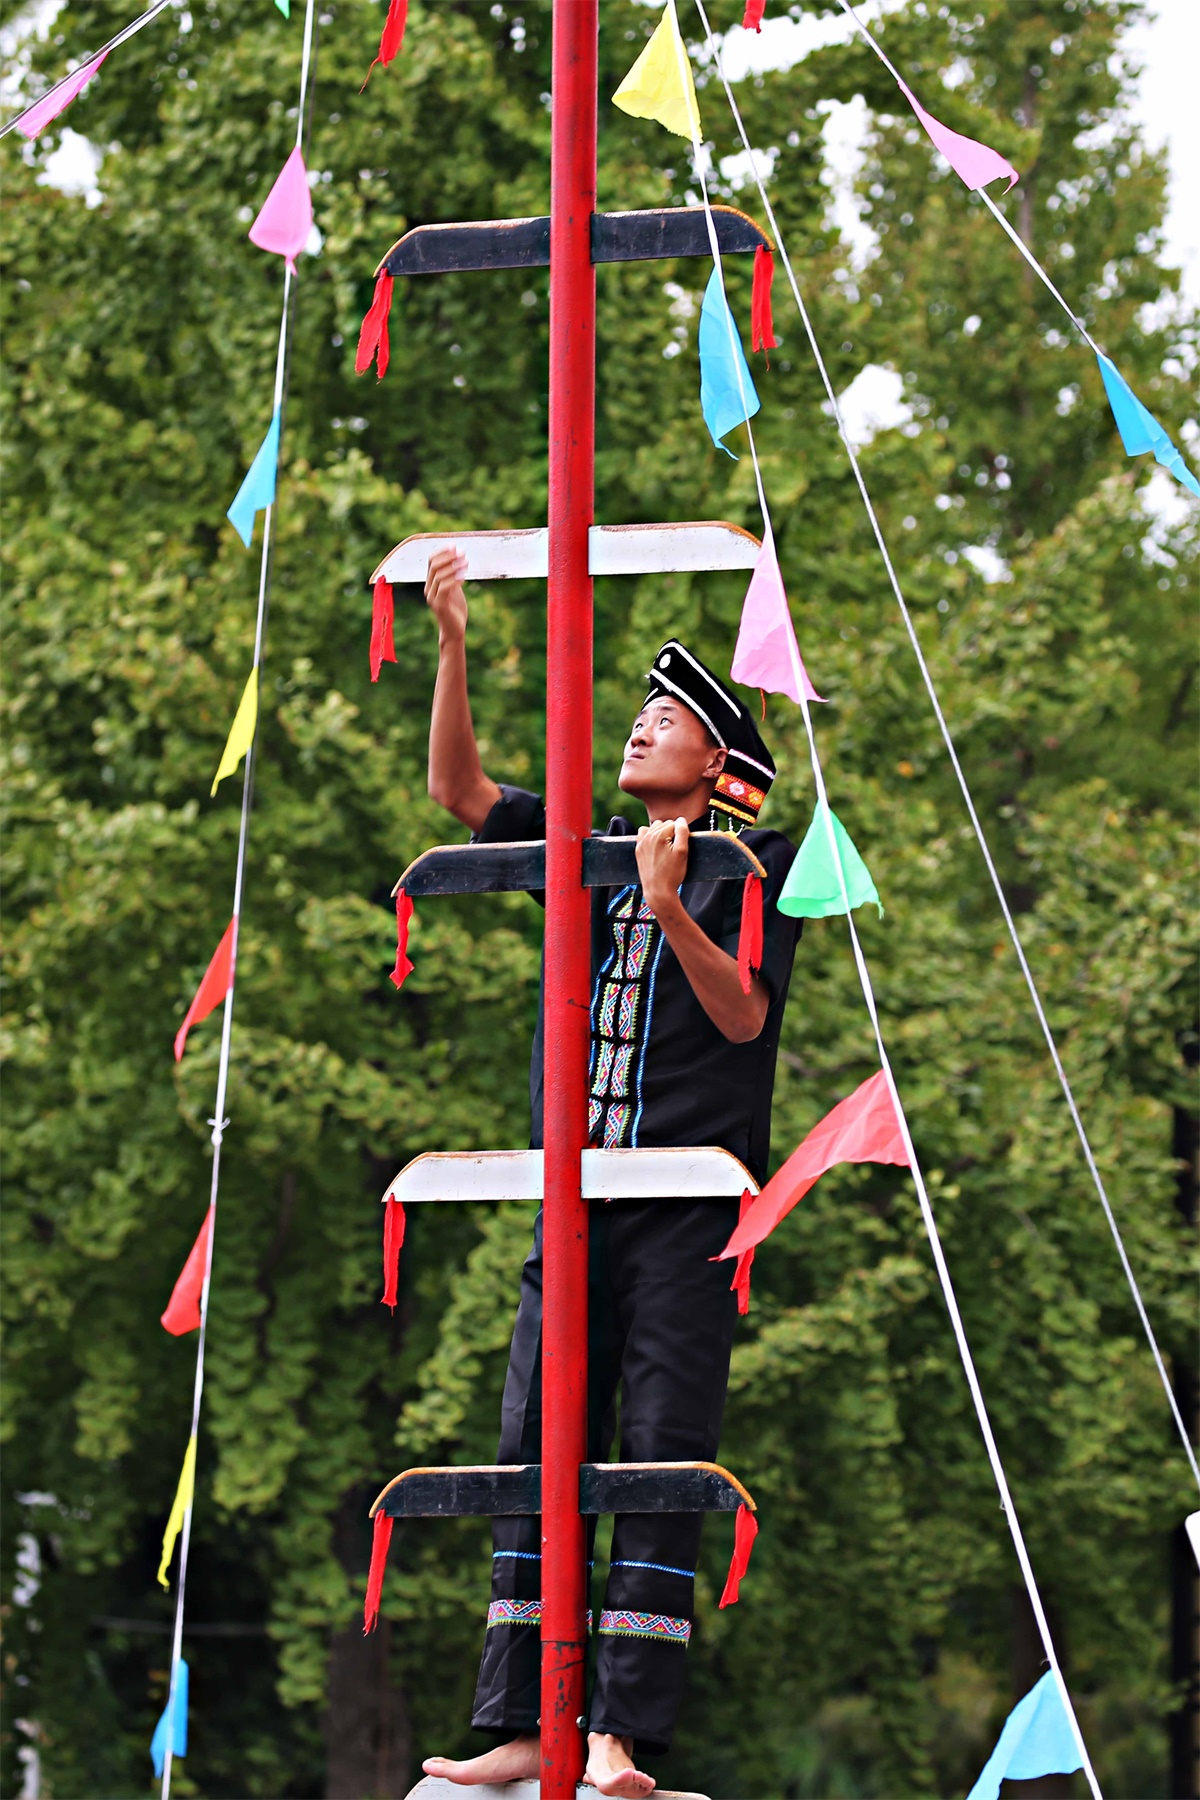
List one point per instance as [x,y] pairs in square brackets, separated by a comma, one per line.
[669,752]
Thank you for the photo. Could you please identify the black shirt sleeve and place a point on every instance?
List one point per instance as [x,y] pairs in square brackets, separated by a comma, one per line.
[516,817]
[780,933]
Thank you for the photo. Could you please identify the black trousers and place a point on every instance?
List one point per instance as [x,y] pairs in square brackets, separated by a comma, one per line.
[660,1326]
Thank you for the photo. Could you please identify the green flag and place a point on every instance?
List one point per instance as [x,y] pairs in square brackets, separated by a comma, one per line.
[812,889]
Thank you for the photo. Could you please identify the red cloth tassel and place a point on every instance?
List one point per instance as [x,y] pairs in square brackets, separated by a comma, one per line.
[752,17]
[373,333]
[404,911]
[391,37]
[740,1285]
[393,1237]
[762,324]
[183,1308]
[380,1541]
[383,613]
[750,935]
[744,1534]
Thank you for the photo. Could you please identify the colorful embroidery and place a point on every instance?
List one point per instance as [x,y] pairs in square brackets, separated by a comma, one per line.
[616,1119]
[620,1021]
[514,1612]
[645,1625]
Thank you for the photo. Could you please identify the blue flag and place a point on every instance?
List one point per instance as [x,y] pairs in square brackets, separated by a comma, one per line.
[1037,1740]
[258,489]
[721,359]
[1140,430]
[158,1743]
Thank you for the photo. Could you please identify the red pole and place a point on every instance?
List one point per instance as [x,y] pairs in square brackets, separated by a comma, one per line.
[568,925]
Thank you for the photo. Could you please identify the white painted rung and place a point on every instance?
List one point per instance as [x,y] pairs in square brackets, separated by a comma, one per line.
[691,545]
[1193,1531]
[606,1175]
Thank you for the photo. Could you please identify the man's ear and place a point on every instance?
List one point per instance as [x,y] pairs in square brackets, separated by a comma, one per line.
[716,762]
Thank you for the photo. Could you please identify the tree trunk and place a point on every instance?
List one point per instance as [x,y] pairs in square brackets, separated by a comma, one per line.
[368,1734]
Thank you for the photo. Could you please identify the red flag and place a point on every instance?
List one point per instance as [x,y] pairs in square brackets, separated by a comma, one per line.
[393,1237]
[392,35]
[404,910]
[183,1308]
[752,17]
[380,1539]
[762,323]
[861,1128]
[750,932]
[218,979]
[383,647]
[744,1534]
[740,1285]
[373,335]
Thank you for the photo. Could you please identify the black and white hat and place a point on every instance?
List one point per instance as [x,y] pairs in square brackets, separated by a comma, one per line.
[745,781]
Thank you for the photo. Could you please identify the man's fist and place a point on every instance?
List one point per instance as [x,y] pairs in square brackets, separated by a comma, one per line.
[444,593]
[662,854]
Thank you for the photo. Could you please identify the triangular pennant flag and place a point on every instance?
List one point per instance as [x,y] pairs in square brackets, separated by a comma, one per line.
[390,39]
[285,7]
[48,108]
[767,655]
[171,1730]
[183,1308]
[1140,430]
[724,400]
[184,1494]
[213,988]
[659,85]
[753,16]
[812,889]
[241,732]
[972,161]
[258,488]
[285,217]
[861,1128]
[1036,1740]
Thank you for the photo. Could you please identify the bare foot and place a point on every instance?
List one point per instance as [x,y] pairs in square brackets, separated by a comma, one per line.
[520,1760]
[610,1767]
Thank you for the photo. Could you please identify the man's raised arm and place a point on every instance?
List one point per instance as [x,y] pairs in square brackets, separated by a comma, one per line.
[456,776]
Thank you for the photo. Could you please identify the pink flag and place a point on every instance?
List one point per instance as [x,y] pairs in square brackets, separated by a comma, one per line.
[216,983]
[286,218]
[48,108]
[861,1128]
[974,162]
[767,655]
[183,1308]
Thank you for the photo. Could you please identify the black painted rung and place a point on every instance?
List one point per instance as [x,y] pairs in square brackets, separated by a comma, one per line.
[520,868]
[509,1490]
[645,236]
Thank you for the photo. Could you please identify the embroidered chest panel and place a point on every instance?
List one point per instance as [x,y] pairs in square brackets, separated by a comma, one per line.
[621,1011]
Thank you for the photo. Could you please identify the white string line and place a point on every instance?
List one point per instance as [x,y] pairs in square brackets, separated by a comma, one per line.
[130,31]
[981,839]
[1022,246]
[930,1223]
[219,1121]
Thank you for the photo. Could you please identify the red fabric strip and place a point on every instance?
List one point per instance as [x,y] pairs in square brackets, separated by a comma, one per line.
[744,1534]
[393,1237]
[740,1285]
[183,1308]
[862,1128]
[380,1541]
[383,613]
[762,324]
[752,17]
[404,911]
[750,933]
[392,35]
[215,984]
[373,333]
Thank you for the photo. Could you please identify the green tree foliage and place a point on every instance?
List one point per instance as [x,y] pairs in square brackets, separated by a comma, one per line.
[882,1635]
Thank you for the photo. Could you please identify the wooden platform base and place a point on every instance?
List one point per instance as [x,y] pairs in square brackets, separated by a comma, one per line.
[432,1787]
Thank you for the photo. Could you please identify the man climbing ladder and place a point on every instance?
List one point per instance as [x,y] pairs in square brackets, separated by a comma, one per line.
[681,1054]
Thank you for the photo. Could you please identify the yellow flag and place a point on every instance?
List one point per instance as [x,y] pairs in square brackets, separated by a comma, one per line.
[183,1499]
[241,732]
[659,85]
